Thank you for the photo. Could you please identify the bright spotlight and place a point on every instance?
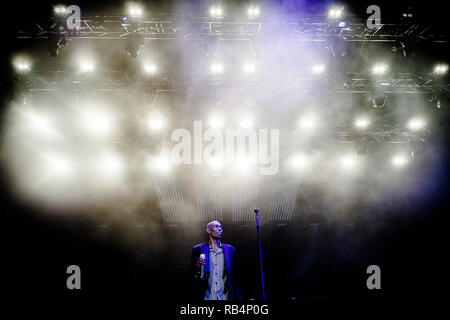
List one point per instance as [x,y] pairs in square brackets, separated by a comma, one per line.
[216,121]
[60,10]
[416,124]
[335,13]
[249,68]
[216,68]
[59,165]
[161,164]
[216,12]
[215,163]
[86,66]
[308,122]
[362,123]
[298,161]
[253,12]
[110,164]
[242,164]
[150,68]
[246,123]
[399,161]
[97,123]
[348,161]
[22,66]
[379,69]
[135,11]
[156,122]
[318,68]
[441,69]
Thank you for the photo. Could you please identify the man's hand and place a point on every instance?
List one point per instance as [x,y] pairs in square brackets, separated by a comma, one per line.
[200,261]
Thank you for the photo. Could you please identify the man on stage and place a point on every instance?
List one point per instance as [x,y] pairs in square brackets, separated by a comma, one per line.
[220,281]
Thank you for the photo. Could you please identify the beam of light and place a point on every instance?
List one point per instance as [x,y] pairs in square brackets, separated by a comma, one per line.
[23,66]
[399,160]
[97,122]
[150,68]
[249,68]
[308,122]
[298,161]
[156,121]
[379,69]
[416,124]
[215,162]
[216,68]
[135,11]
[246,123]
[86,66]
[318,68]
[160,164]
[59,165]
[253,12]
[440,69]
[362,123]
[335,12]
[60,10]
[216,12]
[348,161]
[216,121]
[110,164]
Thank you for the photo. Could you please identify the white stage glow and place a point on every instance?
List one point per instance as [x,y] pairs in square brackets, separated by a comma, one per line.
[308,122]
[298,161]
[399,160]
[97,122]
[135,11]
[362,123]
[379,69]
[253,12]
[156,121]
[416,124]
[215,163]
[249,68]
[86,66]
[160,164]
[110,164]
[150,68]
[216,12]
[246,123]
[335,13]
[318,68]
[441,69]
[348,161]
[60,10]
[59,165]
[216,121]
[216,68]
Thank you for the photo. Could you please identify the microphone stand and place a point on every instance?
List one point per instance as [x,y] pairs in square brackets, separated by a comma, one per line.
[260,253]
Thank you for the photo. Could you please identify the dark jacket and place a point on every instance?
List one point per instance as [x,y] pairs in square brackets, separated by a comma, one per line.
[230,268]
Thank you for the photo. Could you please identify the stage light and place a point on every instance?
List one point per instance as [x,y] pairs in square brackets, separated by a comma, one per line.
[348,161]
[134,44]
[379,69]
[22,65]
[318,68]
[110,164]
[97,123]
[253,12]
[399,160]
[135,11]
[156,121]
[86,66]
[308,122]
[160,164]
[440,69]
[416,124]
[150,68]
[362,123]
[246,123]
[60,10]
[216,121]
[215,163]
[39,123]
[216,68]
[335,13]
[298,161]
[59,165]
[242,164]
[216,12]
[249,68]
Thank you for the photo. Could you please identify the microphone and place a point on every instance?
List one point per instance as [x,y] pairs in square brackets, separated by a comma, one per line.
[257,216]
[202,267]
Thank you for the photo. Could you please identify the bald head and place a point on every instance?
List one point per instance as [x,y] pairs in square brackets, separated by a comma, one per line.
[214,229]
